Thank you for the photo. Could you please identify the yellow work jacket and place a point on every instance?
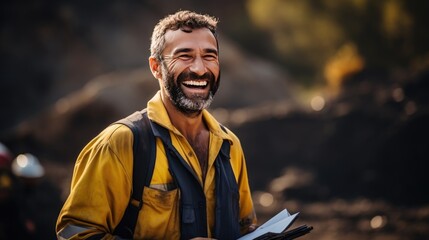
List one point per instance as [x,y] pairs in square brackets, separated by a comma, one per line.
[102,182]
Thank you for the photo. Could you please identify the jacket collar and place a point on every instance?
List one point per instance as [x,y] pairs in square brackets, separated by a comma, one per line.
[157,113]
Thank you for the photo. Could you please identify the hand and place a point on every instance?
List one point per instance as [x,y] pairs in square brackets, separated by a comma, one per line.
[252,228]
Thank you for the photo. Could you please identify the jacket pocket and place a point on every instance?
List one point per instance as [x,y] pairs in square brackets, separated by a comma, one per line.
[159,216]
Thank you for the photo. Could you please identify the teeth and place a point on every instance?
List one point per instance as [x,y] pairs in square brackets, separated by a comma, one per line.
[196,83]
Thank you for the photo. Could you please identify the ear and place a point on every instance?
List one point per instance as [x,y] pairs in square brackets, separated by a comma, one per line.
[155,67]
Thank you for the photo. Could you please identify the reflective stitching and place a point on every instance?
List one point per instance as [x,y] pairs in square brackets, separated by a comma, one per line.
[70,230]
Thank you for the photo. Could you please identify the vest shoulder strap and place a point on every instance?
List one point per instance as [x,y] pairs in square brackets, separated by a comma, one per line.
[144,154]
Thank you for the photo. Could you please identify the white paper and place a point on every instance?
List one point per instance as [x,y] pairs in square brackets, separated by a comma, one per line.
[276,224]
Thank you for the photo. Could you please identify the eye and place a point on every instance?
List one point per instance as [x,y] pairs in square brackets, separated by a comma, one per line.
[185,57]
[210,57]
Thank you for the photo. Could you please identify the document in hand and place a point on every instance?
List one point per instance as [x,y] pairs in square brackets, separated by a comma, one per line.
[276,227]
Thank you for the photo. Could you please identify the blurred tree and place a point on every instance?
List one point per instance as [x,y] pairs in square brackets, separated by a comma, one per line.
[306,34]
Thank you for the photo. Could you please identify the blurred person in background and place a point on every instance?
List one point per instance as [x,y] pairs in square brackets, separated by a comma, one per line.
[39,199]
[211,197]
[11,223]
[5,157]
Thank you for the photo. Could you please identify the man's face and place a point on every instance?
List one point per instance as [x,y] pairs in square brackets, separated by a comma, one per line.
[190,69]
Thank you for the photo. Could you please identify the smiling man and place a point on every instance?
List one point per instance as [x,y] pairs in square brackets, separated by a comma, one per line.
[198,186]
[192,55]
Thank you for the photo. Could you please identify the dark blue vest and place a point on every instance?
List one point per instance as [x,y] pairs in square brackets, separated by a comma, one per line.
[192,198]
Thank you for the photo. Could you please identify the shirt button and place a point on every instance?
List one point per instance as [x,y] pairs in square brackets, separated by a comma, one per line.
[190,154]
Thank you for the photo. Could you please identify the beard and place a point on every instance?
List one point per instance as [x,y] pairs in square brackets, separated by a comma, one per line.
[189,104]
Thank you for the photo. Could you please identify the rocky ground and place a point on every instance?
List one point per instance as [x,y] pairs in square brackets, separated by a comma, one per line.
[356,170]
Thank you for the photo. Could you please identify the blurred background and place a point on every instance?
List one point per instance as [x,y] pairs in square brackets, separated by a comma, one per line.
[329,98]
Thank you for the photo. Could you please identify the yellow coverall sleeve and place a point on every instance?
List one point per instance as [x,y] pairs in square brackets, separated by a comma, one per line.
[100,188]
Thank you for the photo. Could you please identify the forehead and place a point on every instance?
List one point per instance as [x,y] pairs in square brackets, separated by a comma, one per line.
[198,39]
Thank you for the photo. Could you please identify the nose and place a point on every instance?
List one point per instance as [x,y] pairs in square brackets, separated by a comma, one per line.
[198,66]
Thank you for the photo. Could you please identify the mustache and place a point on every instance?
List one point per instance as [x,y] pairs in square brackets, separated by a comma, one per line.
[188,75]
